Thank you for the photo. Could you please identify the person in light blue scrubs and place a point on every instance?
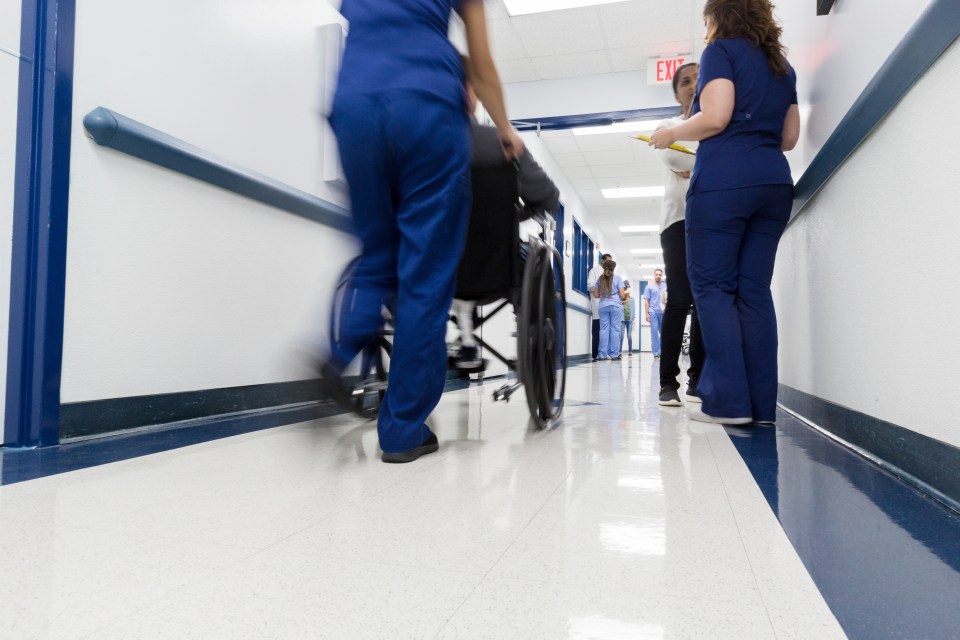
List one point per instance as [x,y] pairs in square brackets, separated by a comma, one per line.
[654,299]
[738,205]
[404,139]
[610,293]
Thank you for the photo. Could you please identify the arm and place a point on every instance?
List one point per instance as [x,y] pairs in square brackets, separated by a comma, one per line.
[680,163]
[536,188]
[791,129]
[716,110]
[596,291]
[483,75]
[623,294]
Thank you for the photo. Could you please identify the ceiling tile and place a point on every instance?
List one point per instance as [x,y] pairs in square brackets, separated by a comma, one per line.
[577,173]
[632,24]
[615,171]
[562,144]
[495,9]
[570,159]
[572,64]
[561,32]
[504,41]
[599,158]
[583,184]
[516,71]
[607,142]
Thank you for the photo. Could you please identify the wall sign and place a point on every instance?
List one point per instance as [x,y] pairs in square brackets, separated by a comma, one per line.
[662,70]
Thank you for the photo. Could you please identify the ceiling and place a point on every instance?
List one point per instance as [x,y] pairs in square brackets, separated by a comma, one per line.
[600,40]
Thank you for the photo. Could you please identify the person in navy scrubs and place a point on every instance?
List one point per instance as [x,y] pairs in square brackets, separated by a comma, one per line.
[404,138]
[738,205]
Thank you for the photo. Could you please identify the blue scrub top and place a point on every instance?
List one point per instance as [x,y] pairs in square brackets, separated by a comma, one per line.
[401,45]
[747,153]
[614,298]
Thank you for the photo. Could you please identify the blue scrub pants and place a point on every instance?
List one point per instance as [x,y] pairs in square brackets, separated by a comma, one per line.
[406,158]
[732,239]
[626,331]
[656,324]
[611,317]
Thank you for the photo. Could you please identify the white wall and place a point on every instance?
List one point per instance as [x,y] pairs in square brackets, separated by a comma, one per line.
[9,80]
[588,94]
[836,56]
[172,284]
[855,328]
[578,324]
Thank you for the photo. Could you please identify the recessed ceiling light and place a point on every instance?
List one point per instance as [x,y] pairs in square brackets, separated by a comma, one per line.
[646,252]
[633,192]
[648,228]
[650,267]
[522,7]
[639,126]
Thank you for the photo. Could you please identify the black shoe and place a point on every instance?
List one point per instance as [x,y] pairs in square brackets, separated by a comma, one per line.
[332,387]
[691,395]
[468,359]
[429,446]
[669,397]
[616,358]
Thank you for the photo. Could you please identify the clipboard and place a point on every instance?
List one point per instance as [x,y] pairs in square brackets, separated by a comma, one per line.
[675,147]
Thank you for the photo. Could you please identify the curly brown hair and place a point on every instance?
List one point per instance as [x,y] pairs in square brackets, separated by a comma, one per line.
[753,20]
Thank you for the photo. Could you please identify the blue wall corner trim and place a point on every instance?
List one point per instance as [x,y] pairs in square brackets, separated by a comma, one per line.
[936,29]
[115,131]
[40,205]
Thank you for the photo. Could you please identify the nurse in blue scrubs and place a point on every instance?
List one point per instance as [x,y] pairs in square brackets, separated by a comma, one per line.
[404,139]
[739,202]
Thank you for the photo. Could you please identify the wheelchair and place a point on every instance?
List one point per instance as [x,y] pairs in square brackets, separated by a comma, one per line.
[497,267]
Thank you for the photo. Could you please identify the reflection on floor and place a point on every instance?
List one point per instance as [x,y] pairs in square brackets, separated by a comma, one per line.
[624,521]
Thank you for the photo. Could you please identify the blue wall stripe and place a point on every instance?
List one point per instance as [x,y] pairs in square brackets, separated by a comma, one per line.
[927,40]
[39,243]
[556,123]
[115,131]
[576,307]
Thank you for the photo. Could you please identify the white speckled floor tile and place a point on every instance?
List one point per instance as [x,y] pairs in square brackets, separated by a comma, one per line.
[623,521]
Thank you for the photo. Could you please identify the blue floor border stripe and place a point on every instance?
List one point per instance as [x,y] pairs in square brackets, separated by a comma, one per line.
[885,556]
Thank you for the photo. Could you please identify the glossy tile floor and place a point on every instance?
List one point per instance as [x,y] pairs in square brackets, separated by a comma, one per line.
[625,521]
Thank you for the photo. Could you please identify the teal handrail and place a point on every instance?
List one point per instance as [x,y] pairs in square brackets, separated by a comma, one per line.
[118,132]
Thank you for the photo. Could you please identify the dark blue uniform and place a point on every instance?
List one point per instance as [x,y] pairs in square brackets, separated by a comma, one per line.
[739,202]
[400,118]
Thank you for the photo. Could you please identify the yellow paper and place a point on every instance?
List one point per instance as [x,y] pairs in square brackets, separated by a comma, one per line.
[675,147]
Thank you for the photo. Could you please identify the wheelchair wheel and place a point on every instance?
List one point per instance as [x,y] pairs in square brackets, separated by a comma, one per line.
[542,335]
[371,384]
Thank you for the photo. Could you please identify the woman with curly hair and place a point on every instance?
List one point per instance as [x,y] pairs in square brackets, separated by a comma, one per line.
[738,205]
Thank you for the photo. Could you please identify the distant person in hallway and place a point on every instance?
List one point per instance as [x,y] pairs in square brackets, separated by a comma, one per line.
[654,298]
[537,190]
[745,114]
[404,140]
[609,294]
[592,277]
[679,167]
[627,328]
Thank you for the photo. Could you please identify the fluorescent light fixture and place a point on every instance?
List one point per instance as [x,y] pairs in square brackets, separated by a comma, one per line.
[639,126]
[633,192]
[646,252]
[647,228]
[522,7]
[650,267]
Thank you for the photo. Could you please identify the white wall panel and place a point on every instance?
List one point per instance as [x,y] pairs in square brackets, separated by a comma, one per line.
[857,327]
[836,56]
[9,75]
[172,284]
[9,26]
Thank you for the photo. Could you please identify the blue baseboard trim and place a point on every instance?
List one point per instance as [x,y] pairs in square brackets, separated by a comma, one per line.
[100,441]
[114,131]
[928,464]
[927,40]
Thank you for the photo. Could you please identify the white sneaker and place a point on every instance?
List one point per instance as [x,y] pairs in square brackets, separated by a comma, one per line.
[699,416]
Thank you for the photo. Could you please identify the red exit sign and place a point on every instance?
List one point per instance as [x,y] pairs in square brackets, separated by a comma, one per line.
[662,70]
